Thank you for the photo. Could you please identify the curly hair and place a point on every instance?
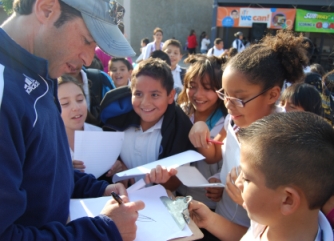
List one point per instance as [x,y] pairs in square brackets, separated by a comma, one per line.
[273,60]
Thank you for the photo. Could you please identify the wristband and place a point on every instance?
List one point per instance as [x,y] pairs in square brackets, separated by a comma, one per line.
[330,217]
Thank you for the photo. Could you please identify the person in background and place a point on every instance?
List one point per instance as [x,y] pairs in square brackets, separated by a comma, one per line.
[309,46]
[237,43]
[203,34]
[317,68]
[218,48]
[173,48]
[155,45]
[143,43]
[159,54]
[192,42]
[40,41]
[301,97]
[120,71]
[205,44]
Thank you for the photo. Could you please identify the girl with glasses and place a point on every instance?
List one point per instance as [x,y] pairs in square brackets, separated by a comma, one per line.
[251,85]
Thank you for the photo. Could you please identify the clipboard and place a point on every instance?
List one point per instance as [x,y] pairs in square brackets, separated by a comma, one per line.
[197,233]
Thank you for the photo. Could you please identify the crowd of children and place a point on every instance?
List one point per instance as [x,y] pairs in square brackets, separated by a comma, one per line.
[274,181]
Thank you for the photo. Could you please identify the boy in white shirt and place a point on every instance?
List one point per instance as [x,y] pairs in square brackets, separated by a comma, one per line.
[204,44]
[284,181]
[218,49]
[173,48]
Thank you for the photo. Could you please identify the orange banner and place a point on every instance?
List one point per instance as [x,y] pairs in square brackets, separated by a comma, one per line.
[276,18]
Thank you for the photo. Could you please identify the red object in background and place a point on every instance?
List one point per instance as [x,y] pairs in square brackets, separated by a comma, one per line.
[192,41]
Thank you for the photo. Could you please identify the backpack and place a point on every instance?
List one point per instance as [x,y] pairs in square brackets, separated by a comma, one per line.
[182,74]
[99,84]
[212,50]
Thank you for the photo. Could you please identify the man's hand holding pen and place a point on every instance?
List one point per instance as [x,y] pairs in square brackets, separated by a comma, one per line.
[122,212]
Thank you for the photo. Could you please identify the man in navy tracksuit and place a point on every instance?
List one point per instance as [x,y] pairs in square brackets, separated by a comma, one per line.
[42,40]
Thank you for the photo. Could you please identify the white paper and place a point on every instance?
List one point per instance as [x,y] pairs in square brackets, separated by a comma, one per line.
[191,177]
[97,149]
[168,162]
[136,186]
[154,221]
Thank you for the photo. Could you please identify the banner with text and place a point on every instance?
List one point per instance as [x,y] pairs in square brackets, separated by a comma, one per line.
[308,21]
[276,18]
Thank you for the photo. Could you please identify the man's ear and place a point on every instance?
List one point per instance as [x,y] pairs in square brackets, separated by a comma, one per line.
[291,201]
[171,96]
[46,10]
[274,94]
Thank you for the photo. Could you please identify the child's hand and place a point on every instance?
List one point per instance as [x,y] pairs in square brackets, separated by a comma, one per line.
[160,175]
[78,165]
[214,193]
[232,190]
[200,213]
[199,134]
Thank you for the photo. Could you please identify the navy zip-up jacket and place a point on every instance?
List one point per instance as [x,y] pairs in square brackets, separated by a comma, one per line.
[36,174]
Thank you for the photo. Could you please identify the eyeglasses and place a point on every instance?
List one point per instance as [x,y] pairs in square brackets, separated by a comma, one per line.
[116,12]
[236,101]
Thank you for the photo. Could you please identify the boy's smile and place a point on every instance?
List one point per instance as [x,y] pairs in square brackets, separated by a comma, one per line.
[150,100]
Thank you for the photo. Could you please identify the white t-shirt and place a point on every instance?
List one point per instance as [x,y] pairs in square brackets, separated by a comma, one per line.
[325,232]
[150,47]
[238,44]
[216,52]
[140,147]
[87,127]
[205,43]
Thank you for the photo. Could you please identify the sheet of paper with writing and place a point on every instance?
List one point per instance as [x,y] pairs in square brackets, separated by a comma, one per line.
[97,149]
[154,221]
[172,161]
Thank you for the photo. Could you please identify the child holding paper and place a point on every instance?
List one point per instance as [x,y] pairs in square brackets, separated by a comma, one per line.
[285,180]
[201,103]
[74,113]
[153,125]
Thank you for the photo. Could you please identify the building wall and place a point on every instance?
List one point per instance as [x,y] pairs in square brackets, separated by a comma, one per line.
[176,18]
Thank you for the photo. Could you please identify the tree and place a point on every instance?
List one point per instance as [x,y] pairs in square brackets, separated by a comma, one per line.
[8,6]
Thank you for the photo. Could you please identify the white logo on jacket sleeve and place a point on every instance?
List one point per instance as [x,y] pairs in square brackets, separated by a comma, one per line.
[30,84]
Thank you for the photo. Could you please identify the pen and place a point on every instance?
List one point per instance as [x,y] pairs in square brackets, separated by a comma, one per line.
[214,141]
[117,198]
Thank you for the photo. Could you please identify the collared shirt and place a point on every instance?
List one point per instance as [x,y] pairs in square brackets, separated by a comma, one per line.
[140,147]
[177,78]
